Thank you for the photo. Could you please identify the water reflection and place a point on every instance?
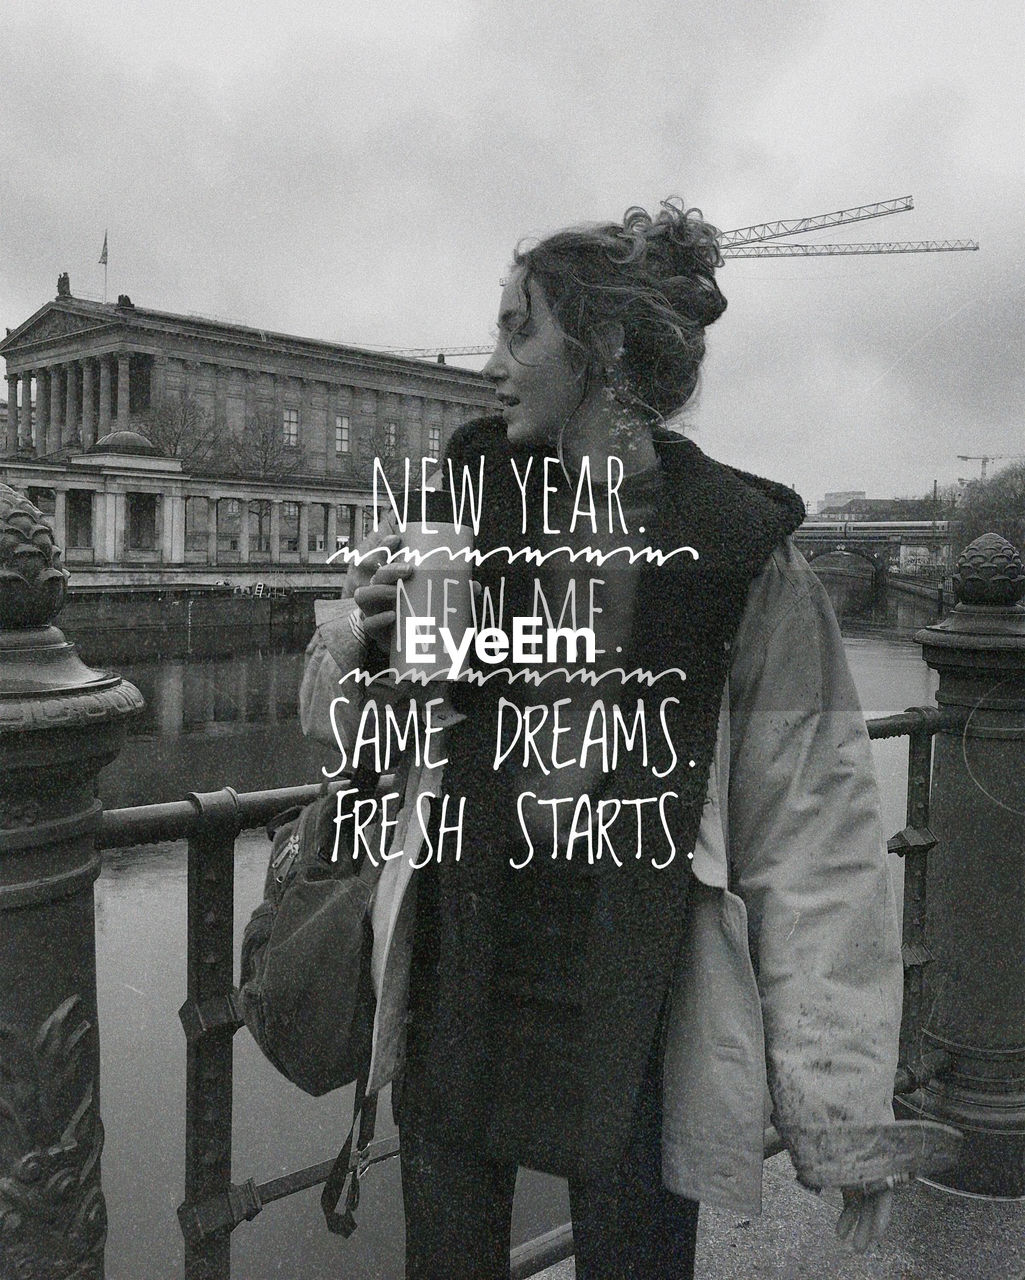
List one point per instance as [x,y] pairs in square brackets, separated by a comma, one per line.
[212,723]
[859,608]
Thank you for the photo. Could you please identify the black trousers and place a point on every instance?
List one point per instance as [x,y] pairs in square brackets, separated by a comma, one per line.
[458,1209]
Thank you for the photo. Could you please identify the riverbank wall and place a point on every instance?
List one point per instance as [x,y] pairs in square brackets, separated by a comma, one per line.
[130,624]
[927,590]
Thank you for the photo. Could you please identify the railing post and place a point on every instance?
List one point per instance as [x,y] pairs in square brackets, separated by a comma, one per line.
[209,1020]
[60,723]
[976,876]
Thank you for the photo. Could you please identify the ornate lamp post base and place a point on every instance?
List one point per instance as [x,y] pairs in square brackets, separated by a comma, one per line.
[976,876]
[60,723]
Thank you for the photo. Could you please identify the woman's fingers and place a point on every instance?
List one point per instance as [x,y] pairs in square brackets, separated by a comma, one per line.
[378,591]
[848,1216]
[864,1218]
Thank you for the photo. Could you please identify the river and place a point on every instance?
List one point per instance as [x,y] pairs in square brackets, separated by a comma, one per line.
[232,721]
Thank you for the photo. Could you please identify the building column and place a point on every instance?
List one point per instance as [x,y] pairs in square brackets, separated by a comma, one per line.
[105,524]
[60,519]
[117,507]
[157,382]
[26,409]
[275,532]
[43,410]
[123,391]
[304,533]
[99,523]
[331,533]
[243,531]
[13,439]
[177,518]
[211,530]
[104,427]
[57,405]
[88,403]
[71,404]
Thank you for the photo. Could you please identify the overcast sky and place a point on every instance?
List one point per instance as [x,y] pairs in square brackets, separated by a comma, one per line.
[360,172]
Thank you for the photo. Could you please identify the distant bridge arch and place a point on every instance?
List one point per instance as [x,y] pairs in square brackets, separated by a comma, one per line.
[877,558]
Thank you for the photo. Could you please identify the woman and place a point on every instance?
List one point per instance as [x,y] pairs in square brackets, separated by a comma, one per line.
[577,993]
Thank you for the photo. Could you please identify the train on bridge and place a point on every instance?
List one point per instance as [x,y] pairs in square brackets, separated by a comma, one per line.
[875,529]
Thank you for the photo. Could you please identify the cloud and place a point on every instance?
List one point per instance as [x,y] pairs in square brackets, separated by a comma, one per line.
[362,173]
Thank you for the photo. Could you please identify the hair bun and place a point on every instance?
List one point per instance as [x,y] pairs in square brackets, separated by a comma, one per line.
[689,248]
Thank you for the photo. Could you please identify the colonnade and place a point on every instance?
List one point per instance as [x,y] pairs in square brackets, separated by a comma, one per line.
[73,403]
[97,526]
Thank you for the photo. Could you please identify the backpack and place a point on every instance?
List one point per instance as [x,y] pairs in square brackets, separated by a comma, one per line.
[305,984]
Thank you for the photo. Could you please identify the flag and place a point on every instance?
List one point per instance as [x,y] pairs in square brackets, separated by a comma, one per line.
[103,255]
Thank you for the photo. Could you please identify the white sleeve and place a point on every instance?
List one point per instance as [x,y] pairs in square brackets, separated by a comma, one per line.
[809,859]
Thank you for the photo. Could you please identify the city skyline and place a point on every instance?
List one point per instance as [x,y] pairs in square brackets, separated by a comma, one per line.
[363,177]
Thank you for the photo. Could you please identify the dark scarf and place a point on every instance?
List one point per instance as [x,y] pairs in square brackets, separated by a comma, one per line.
[537,994]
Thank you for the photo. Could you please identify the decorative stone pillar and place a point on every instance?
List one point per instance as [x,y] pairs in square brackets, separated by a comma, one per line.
[58,373]
[27,437]
[104,427]
[275,532]
[211,530]
[60,517]
[304,533]
[331,533]
[88,403]
[975,881]
[117,524]
[71,431]
[176,503]
[43,427]
[60,723]
[123,391]
[243,531]
[13,436]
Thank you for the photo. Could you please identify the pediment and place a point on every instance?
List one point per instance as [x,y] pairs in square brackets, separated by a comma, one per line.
[53,322]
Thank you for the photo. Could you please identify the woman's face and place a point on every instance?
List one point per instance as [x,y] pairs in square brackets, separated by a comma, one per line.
[537,385]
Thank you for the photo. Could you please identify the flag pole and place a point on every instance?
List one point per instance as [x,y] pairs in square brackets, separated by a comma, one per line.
[103,260]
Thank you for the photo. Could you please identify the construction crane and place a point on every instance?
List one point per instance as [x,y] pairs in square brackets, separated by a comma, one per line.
[985,458]
[749,242]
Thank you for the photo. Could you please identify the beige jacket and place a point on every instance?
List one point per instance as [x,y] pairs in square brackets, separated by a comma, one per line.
[790,973]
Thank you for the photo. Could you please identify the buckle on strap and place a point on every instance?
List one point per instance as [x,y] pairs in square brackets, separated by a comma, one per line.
[210,1015]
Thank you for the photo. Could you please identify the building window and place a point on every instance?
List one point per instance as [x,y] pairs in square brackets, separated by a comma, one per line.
[341,434]
[142,521]
[233,507]
[391,434]
[289,528]
[80,518]
[44,499]
[290,433]
[434,441]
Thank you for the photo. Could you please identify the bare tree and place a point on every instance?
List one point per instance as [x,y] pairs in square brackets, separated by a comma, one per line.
[182,428]
[995,505]
[260,448]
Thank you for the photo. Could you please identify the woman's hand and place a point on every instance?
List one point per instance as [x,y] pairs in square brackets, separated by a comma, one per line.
[372,581]
[864,1217]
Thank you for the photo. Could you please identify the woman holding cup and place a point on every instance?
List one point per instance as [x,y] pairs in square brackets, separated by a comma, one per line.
[672,886]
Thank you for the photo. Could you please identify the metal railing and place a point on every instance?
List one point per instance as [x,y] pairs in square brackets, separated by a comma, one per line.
[211,823]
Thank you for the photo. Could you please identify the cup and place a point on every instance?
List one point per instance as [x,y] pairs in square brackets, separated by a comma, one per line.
[439,592]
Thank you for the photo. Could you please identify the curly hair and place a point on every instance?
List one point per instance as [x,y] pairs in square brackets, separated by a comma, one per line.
[653,276]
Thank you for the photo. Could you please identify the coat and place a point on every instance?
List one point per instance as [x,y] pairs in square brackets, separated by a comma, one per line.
[786,996]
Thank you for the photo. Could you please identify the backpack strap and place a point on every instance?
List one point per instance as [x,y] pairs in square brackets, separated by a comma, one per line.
[364,1110]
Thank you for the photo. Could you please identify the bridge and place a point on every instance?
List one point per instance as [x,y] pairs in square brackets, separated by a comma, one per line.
[962,1053]
[887,545]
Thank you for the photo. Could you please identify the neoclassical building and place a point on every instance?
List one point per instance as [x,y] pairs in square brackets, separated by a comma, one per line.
[90,382]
